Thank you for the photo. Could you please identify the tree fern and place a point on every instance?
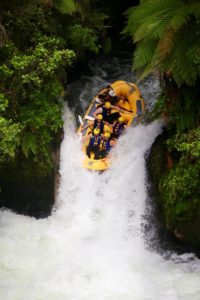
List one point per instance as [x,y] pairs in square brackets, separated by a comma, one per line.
[166,33]
[144,53]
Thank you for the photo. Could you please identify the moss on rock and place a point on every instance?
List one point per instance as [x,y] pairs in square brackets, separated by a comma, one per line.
[180,217]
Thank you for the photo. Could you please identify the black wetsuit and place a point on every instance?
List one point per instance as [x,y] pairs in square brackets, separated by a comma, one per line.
[105,148]
[94,146]
[118,129]
[108,116]
[99,124]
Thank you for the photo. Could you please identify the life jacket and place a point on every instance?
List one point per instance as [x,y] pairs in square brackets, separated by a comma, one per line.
[106,112]
[105,145]
[118,128]
[95,141]
[99,124]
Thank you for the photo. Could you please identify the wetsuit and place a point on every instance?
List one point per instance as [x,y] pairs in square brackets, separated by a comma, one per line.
[108,116]
[99,124]
[94,146]
[118,129]
[105,148]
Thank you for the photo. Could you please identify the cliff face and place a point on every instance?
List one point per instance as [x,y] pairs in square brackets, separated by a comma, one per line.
[27,190]
[182,219]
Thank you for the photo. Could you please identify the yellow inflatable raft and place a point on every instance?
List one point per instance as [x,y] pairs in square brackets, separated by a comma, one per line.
[132,103]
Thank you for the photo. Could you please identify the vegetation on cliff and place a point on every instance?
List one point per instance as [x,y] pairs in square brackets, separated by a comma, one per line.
[167,37]
[39,41]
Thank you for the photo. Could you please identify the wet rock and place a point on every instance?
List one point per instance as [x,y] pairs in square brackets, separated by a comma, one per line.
[28,191]
[159,162]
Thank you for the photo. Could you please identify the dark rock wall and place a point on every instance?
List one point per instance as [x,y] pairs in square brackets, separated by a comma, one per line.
[159,162]
[26,192]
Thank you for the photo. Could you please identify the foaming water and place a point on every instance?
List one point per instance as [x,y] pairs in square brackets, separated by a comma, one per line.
[93,247]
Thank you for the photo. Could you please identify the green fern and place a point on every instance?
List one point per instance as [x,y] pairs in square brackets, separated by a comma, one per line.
[167,36]
[29,143]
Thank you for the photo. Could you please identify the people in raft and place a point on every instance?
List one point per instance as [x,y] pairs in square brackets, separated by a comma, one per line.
[99,145]
[94,143]
[98,123]
[106,144]
[107,96]
[105,110]
[118,128]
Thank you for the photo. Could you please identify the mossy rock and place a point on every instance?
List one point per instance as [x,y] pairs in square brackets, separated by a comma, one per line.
[181,219]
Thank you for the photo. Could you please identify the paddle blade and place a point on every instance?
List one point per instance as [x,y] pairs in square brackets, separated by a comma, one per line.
[98,101]
[89,118]
[80,137]
[80,119]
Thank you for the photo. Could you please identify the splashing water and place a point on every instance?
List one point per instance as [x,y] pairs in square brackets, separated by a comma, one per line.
[92,247]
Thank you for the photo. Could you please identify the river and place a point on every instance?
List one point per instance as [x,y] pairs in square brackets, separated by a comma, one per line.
[93,246]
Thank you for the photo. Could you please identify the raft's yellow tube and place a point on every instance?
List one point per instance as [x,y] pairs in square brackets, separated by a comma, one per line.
[131,92]
[133,108]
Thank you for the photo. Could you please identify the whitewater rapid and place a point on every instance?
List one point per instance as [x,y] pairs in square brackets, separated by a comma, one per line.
[92,247]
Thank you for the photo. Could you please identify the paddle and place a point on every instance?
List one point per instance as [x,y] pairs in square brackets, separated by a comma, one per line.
[90,118]
[87,117]
[80,136]
[80,119]
[98,101]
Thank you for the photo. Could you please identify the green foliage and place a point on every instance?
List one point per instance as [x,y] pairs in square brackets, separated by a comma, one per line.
[41,63]
[82,38]
[9,132]
[180,186]
[179,106]
[107,45]
[187,143]
[28,143]
[65,6]
[34,102]
[38,43]
[9,138]
[167,36]
[3,103]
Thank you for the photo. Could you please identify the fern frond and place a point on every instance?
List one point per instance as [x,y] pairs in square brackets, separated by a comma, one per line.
[144,53]
[28,143]
[180,17]
[167,36]
[182,60]
[166,43]
[152,9]
[65,6]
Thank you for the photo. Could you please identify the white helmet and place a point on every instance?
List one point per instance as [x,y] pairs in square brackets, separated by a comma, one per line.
[111,93]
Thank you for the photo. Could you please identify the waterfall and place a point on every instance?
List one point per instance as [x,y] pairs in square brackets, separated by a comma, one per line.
[93,247]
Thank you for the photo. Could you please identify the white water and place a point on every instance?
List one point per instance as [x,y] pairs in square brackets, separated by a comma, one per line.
[92,247]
